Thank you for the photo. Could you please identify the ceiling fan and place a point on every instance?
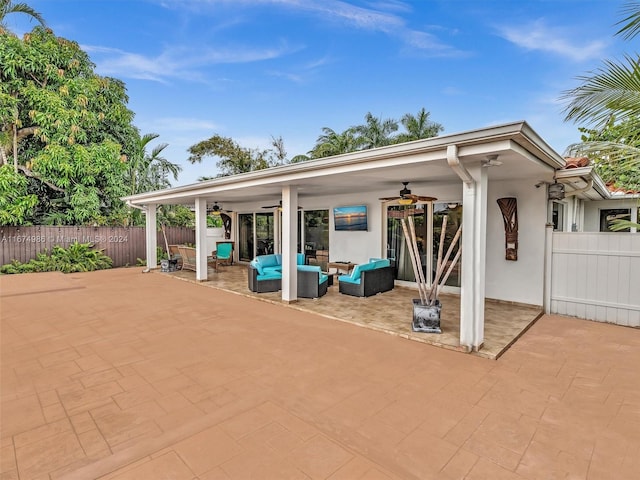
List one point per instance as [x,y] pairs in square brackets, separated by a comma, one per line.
[278,206]
[407,198]
[216,210]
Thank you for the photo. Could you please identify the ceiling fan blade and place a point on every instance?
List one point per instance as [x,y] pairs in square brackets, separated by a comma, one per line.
[389,198]
[424,199]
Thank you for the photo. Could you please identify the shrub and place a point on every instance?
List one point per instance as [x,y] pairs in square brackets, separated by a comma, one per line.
[79,257]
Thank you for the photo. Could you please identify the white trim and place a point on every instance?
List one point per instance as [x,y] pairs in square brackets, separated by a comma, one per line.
[597,303]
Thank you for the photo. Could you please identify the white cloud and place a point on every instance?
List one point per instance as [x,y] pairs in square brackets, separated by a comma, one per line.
[377,17]
[177,62]
[538,36]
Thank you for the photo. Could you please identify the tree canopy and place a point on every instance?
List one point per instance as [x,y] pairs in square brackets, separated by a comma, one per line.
[607,102]
[233,158]
[68,132]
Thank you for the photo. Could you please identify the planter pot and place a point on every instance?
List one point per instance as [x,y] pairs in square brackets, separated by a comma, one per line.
[426,318]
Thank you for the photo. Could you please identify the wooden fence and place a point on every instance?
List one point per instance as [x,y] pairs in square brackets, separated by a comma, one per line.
[123,244]
[597,276]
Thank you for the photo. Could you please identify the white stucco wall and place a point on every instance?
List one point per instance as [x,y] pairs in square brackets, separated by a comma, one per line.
[519,281]
[592,211]
[522,280]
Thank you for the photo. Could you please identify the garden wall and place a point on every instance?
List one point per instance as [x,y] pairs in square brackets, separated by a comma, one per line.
[123,244]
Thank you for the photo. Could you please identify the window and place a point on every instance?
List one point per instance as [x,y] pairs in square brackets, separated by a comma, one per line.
[608,216]
[557,216]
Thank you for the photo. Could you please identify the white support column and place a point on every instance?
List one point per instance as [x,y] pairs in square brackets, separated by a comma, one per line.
[201,239]
[289,244]
[151,231]
[474,237]
[548,257]
[277,232]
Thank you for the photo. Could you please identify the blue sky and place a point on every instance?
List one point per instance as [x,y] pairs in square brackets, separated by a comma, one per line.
[253,69]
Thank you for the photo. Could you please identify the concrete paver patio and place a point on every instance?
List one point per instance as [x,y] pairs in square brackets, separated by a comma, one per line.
[123,375]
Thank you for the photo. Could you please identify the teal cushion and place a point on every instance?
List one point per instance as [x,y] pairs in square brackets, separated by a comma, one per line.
[270,270]
[223,251]
[309,268]
[358,269]
[300,259]
[270,276]
[278,259]
[384,262]
[322,278]
[255,263]
[348,279]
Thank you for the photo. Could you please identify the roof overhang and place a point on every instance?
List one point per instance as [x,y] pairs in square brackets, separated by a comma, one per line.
[522,152]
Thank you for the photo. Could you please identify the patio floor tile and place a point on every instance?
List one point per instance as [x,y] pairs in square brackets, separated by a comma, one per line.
[118,375]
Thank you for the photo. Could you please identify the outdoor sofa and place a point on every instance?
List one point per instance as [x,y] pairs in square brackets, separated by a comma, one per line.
[265,275]
[368,279]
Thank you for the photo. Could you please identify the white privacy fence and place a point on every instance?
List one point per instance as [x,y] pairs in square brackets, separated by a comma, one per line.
[596,276]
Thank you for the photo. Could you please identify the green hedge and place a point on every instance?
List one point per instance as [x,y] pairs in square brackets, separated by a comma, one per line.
[79,257]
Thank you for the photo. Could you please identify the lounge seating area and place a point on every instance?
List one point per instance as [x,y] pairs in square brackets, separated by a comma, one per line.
[265,272]
[368,279]
[265,275]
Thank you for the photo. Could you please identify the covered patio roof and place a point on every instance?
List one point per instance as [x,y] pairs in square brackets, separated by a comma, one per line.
[456,159]
[523,153]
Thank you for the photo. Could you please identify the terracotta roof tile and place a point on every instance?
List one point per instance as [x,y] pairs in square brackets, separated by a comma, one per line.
[576,162]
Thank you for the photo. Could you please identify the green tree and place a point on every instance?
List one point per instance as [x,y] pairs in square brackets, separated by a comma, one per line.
[65,128]
[149,171]
[233,158]
[611,148]
[8,7]
[418,127]
[376,132]
[332,143]
[608,101]
[16,204]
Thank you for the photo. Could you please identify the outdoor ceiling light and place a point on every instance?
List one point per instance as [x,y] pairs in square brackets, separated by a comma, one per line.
[406,201]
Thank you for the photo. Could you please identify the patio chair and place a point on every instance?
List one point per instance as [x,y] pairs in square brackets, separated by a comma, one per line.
[224,253]
[188,255]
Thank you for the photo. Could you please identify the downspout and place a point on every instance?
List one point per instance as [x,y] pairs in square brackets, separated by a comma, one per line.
[456,166]
[454,162]
[574,224]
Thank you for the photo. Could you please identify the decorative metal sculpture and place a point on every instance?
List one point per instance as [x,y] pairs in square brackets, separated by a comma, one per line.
[226,222]
[509,208]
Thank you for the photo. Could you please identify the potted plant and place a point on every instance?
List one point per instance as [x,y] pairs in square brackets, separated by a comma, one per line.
[427,308]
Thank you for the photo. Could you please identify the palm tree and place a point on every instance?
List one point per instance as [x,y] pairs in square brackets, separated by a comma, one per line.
[8,7]
[375,133]
[332,143]
[149,171]
[418,126]
[608,99]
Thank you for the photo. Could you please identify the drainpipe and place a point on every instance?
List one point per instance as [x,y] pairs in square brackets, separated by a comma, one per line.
[129,204]
[580,190]
[469,334]
[456,166]
[574,225]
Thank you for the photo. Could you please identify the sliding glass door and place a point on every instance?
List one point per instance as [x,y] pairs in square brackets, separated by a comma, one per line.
[397,251]
[245,235]
[316,237]
[454,213]
[428,225]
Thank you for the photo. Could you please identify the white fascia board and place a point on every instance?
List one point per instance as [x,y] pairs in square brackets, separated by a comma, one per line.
[585,174]
[404,153]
